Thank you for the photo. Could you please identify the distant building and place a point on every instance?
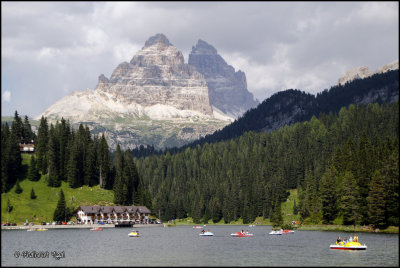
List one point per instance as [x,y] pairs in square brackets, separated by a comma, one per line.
[27,146]
[113,214]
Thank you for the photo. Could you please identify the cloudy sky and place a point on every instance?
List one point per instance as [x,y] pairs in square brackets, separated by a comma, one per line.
[51,49]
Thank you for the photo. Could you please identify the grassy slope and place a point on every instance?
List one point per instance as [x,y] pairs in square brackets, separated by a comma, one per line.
[42,208]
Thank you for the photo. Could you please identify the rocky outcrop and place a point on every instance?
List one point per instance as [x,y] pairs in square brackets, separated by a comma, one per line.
[364,72]
[388,67]
[356,73]
[227,88]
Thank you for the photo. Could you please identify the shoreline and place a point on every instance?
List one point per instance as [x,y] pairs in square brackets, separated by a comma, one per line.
[76,226]
[317,227]
[328,228]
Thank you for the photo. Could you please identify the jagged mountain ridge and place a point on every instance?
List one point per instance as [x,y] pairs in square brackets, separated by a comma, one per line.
[154,99]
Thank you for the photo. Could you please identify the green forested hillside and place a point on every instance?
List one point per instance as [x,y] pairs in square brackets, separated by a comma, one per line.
[340,163]
[42,208]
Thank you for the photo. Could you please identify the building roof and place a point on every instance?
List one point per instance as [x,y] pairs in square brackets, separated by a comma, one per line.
[107,209]
[117,209]
[90,209]
[143,209]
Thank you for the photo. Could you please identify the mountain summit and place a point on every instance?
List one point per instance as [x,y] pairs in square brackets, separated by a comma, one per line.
[157,76]
[227,88]
[158,39]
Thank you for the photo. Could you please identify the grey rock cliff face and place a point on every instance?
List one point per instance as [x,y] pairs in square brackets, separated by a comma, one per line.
[227,88]
[157,74]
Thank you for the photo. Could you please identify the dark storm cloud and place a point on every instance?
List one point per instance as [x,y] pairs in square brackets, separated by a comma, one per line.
[50,49]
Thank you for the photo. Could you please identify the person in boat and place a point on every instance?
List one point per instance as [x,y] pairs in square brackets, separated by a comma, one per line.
[350,239]
[203,231]
[355,238]
[242,231]
[344,241]
[338,240]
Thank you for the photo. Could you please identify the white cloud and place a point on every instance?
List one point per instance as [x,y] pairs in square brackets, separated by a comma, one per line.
[7,96]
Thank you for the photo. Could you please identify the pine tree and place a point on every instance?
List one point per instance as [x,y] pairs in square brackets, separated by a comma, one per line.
[18,188]
[328,196]
[104,164]
[41,145]
[277,219]
[17,127]
[90,165]
[349,200]
[28,133]
[53,178]
[33,173]
[377,200]
[9,206]
[119,190]
[33,196]
[295,209]
[11,158]
[61,209]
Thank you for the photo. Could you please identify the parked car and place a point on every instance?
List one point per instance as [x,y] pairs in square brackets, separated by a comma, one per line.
[43,223]
[64,223]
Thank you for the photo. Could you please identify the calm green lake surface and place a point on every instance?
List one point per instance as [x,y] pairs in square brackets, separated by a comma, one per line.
[182,246]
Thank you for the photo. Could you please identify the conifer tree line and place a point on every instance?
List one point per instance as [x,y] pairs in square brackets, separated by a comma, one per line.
[11,161]
[344,165]
[71,155]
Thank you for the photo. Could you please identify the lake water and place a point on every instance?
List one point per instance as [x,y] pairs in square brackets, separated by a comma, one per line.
[182,246]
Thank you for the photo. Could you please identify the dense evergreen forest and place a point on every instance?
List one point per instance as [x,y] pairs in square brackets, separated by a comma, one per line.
[73,156]
[344,165]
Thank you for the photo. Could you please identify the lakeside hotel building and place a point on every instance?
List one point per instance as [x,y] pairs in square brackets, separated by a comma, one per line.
[113,214]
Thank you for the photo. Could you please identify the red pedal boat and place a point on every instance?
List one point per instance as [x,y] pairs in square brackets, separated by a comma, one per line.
[242,234]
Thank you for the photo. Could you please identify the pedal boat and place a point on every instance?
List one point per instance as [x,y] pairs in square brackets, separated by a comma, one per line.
[134,234]
[96,229]
[197,227]
[349,246]
[41,229]
[206,234]
[275,232]
[240,234]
